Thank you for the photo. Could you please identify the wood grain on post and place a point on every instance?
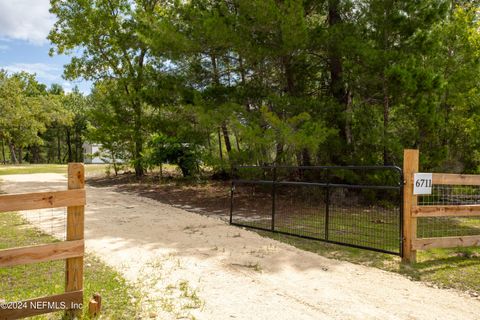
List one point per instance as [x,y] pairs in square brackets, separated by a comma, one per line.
[41,200]
[93,308]
[466,210]
[75,228]
[446,242]
[95,305]
[41,253]
[410,167]
[456,179]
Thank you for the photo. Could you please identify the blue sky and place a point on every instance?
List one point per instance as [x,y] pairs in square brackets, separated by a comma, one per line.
[24,26]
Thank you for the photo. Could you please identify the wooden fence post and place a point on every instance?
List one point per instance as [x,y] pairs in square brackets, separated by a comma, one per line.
[75,231]
[410,167]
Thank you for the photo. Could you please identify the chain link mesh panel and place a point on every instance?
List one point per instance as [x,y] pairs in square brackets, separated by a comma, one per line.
[444,195]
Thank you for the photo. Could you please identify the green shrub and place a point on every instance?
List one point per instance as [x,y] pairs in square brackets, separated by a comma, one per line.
[164,149]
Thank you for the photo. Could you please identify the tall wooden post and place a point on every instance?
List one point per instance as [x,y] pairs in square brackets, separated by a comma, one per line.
[75,227]
[410,167]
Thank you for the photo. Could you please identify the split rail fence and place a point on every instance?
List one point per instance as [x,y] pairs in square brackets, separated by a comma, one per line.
[446,204]
[71,250]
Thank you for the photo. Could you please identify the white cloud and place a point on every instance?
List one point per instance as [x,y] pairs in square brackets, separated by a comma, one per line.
[44,72]
[67,87]
[25,20]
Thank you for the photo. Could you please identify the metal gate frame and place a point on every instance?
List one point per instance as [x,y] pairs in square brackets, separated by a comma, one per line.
[327,186]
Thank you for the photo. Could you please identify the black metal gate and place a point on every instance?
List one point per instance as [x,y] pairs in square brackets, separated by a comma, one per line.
[357,206]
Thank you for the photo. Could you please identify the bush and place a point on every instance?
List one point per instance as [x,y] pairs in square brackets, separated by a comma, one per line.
[163,149]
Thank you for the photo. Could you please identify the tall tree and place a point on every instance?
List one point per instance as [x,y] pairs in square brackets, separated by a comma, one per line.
[107,31]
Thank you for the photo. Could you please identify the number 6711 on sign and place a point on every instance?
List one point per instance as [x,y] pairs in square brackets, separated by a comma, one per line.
[422,183]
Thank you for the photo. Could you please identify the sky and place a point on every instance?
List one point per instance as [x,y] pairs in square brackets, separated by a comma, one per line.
[24,26]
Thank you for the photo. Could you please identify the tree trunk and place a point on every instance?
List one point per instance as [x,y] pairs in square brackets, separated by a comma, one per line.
[59,151]
[279,153]
[386,111]
[348,120]
[226,137]
[78,147]
[3,153]
[36,154]
[216,76]
[244,82]
[237,141]
[69,146]
[338,88]
[216,82]
[289,76]
[114,160]
[220,146]
[50,154]
[138,141]
[13,156]
[306,158]
[20,155]
[139,169]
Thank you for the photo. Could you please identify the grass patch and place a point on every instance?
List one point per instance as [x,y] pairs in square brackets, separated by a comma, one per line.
[180,299]
[47,168]
[33,168]
[457,268]
[372,227]
[119,299]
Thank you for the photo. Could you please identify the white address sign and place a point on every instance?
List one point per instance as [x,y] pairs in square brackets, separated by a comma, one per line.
[422,183]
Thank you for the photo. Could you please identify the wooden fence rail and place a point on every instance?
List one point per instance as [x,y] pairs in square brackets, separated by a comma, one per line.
[42,200]
[446,211]
[412,211]
[71,250]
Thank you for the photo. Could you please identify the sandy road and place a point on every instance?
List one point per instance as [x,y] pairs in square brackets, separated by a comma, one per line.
[191,265]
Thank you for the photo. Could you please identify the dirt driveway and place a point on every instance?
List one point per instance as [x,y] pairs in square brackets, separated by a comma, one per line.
[190,265]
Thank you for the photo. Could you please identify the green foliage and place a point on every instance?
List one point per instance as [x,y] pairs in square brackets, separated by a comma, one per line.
[169,150]
[113,52]
[108,125]
[28,114]
[290,82]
